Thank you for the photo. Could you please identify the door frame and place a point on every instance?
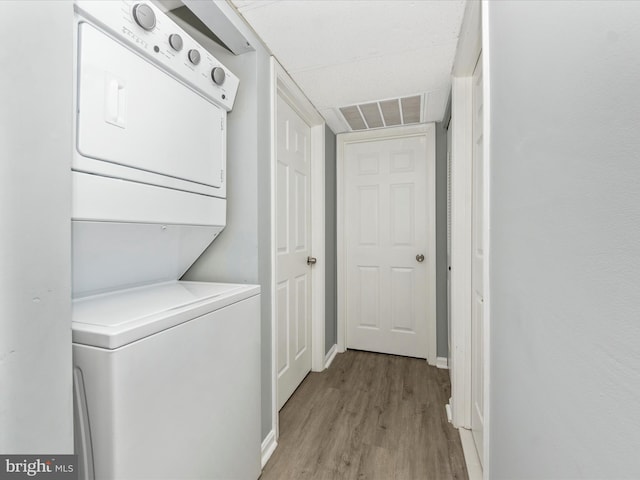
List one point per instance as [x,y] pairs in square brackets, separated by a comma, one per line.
[283,85]
[474,39]
[343,139]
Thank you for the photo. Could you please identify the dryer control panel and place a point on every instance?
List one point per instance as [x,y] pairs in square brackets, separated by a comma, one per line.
[143,27]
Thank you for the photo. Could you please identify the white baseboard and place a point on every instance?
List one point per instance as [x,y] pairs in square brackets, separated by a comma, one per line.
[474,468]
[442,362]
[269,445]
[331,354]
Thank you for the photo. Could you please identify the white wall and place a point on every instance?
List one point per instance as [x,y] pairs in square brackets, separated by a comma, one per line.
[35,233]
[565,239]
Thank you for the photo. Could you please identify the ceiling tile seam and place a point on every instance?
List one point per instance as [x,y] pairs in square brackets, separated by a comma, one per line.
[372,57]
[254,5]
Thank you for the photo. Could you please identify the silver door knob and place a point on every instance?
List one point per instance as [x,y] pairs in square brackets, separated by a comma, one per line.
[311,260]
[420,258]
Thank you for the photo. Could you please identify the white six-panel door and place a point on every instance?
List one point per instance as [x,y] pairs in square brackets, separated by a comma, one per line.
[477,268]
[293,246]
[387,224]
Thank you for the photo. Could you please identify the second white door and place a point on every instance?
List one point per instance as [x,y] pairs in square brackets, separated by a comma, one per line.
[293,246]
[389,261]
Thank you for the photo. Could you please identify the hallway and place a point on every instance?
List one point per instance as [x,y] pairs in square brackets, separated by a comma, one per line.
[369,416]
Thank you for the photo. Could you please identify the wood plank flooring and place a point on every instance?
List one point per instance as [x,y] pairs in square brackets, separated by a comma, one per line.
[368,417]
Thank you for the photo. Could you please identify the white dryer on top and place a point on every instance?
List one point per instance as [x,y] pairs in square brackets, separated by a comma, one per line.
[149,190]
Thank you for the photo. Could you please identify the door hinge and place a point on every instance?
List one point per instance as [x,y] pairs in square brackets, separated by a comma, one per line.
[222,124]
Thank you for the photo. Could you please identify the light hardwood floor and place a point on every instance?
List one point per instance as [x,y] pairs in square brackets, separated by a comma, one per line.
[369,416]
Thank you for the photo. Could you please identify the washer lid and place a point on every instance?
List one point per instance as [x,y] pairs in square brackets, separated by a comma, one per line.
[114,319]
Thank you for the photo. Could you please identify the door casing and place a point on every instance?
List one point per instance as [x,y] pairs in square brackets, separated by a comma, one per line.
[372,135]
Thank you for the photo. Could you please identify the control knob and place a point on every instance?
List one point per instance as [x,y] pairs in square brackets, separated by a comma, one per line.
[175,41]
[144,16]
[194,56]
[218,75]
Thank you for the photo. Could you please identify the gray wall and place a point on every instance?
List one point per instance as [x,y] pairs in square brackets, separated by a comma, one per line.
[565,239]
[241,253]
[442,325]
[36,410]
[331,269]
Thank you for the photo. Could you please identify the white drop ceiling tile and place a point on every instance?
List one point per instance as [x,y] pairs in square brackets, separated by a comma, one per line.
[371,80]
[315,33]
[347,52]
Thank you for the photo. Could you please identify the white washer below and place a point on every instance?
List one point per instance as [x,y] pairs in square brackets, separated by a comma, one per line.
[167,382]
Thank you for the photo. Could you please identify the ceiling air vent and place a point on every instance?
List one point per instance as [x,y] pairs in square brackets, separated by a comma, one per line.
[353,117]
[385,113]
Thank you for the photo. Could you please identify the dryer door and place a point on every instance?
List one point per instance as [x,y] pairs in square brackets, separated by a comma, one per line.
[132,114]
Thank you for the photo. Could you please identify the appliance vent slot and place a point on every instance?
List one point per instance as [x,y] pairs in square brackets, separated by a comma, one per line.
[353,117]
[371,112]
[384,113]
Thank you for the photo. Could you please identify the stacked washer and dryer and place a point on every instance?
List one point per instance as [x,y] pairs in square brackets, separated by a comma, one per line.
[166,373]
